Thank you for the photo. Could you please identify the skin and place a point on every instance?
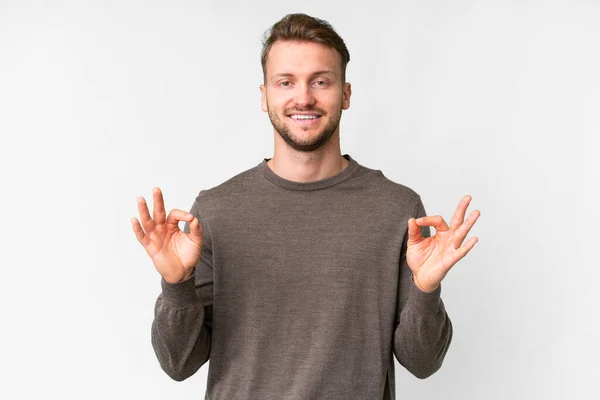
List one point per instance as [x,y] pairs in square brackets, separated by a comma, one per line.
[431,258]
[173,252]
[303,77]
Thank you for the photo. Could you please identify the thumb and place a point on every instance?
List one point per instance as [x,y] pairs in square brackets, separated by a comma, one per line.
[196,231]
[414,232]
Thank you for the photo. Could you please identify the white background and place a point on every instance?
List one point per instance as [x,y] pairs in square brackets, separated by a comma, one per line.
[101,101]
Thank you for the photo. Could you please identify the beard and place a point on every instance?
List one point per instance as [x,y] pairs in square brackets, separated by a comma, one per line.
[312,143]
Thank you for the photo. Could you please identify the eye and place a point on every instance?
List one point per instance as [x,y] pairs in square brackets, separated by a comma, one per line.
[321,83]
[285,83]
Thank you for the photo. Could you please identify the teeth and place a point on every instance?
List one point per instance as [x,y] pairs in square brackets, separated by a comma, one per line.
[304,116]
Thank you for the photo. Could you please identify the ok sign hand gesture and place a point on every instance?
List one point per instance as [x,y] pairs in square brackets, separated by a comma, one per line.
[173,252]
[431,258]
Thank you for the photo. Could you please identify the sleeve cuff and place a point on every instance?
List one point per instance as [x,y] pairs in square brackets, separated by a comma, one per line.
[423,302]
[180,294]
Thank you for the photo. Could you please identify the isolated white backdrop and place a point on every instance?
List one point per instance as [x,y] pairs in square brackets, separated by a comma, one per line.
[101,101]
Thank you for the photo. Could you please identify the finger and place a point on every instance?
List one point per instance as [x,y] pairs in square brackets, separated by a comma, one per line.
[459,214]
[463,230]
[414,232]
[139,232]
[159,207]
[147,222]
[435,220]
[176,215]
[464,249]
[196,230]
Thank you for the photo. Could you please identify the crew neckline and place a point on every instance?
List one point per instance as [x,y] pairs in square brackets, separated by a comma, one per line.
[344,174]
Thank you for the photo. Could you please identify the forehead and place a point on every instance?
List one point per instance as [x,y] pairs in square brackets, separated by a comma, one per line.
[301,58]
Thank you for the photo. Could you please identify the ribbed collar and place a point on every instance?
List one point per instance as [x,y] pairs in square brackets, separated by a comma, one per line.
[344,174]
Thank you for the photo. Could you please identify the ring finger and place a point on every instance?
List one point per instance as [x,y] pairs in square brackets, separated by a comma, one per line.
[145,219]
[463,230]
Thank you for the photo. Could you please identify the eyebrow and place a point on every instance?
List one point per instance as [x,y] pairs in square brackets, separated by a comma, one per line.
[288,74]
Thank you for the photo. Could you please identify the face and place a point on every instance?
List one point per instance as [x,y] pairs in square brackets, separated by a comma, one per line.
[303,93]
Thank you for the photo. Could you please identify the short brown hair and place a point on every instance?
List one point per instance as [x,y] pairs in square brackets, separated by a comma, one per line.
[301,27]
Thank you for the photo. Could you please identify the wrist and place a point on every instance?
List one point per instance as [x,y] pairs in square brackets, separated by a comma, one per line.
[423,288]
[178,278]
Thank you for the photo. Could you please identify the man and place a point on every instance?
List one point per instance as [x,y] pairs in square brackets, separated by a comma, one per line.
[301,277]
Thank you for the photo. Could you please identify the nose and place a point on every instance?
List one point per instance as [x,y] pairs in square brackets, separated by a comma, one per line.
[304,96]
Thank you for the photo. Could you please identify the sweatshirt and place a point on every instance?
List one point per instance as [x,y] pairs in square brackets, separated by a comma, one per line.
[302,291]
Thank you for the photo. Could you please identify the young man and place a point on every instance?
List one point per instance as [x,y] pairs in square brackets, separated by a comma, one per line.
[301,277]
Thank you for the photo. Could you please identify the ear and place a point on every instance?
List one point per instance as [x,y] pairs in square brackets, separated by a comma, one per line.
[347,92]
[263,98]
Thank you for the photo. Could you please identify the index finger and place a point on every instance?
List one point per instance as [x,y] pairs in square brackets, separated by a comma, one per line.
[436,221]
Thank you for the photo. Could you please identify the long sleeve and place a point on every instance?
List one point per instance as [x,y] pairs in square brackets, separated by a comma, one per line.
[423,330]
[182,326]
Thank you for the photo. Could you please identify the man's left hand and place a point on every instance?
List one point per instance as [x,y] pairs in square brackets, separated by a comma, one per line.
[431,258]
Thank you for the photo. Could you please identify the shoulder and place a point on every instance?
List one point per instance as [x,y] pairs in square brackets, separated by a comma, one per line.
[212,200]
[393,192]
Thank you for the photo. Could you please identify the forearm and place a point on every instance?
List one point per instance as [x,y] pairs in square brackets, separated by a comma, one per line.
[180,338]
[423,333]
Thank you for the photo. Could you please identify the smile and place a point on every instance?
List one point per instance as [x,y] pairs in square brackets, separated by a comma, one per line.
[304,119]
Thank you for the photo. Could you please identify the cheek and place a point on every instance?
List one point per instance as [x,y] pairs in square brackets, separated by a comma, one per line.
[333,99]
[275,103]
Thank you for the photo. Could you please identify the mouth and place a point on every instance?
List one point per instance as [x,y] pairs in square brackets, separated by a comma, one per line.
[304,119]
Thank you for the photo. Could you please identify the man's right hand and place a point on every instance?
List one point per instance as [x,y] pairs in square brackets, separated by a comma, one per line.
[173,252]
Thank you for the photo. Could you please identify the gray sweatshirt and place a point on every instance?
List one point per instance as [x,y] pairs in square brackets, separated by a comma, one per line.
[302,291]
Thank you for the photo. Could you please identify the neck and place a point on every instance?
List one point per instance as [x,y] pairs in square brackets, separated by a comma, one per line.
[307,167]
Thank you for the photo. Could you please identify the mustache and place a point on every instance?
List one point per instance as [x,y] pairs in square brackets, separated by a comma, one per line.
[315,110]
